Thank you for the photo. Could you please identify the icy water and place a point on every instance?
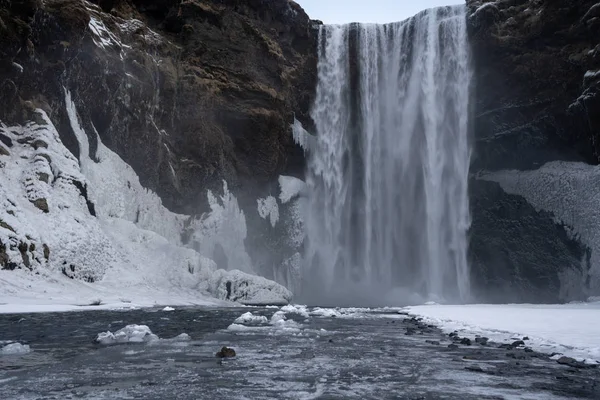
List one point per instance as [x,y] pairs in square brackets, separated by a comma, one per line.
[314,353]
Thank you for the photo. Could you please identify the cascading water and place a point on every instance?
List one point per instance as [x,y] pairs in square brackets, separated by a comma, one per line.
[388,172]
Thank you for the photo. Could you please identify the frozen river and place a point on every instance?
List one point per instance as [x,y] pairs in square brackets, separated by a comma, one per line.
[296,353]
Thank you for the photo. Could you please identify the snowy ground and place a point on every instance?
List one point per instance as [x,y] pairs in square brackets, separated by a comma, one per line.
[569,329]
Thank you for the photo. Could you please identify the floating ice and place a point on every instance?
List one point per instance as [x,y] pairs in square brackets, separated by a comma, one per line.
[15,349]
[295,309]
[251,319]
[128,334]
[167,308]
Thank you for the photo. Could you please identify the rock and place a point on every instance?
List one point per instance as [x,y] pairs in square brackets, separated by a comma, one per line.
[474,368]
[3,151]
[465,341]
[533,106]
[573,363]
[42,204]
[38,143]
[225,352]
[518,343]
[526,338]
[482,340]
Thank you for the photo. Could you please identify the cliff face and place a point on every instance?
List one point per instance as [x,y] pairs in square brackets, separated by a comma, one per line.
[188,93]
[537,101]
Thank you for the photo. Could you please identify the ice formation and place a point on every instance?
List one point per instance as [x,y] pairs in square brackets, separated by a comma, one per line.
[73,229]
[128,334]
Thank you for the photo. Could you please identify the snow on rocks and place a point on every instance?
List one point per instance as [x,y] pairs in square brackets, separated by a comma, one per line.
[247,289]
[91,221]
[14,348]
[251,319]
[128,334]
[570,329]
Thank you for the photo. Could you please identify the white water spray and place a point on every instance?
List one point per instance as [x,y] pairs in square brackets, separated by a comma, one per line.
[388,174]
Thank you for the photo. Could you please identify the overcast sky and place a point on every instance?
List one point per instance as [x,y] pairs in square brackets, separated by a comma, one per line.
[380,11]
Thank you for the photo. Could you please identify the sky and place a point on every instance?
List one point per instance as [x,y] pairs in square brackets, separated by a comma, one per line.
[379,11]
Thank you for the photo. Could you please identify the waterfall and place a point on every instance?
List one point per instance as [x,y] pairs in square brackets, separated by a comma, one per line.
[388,172]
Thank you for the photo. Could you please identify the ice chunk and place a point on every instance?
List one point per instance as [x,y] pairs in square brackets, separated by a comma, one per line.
[295,309]
[325,312]
[128,334]
[167,308]
[247,289]
[14,349]
[251,319]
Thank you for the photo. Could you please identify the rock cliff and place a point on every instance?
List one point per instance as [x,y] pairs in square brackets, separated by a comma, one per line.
[120,119]
[187,92]
[537,100]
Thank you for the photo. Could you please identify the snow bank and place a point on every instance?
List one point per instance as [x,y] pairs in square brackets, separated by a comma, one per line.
[571,329]
[247,289]
[14,349]
[128,334]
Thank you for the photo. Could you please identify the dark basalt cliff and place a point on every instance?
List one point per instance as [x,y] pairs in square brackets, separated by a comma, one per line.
[535,102]
[187,92]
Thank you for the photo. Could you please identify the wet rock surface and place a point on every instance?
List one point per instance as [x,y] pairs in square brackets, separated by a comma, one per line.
[359,354]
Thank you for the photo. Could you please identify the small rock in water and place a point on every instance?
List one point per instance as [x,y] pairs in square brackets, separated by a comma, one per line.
[465,341]
[452,346]
[225,352]
[518,343]
[526,338]
[482,340]
[474,368]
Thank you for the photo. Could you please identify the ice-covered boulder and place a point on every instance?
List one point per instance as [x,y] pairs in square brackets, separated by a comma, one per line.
[247,289]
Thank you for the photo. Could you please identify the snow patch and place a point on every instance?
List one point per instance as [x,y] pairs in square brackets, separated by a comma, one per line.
[268,208]
[290,188]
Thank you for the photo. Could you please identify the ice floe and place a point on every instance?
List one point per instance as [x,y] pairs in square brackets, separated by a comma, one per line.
[128,334]
[14,348]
